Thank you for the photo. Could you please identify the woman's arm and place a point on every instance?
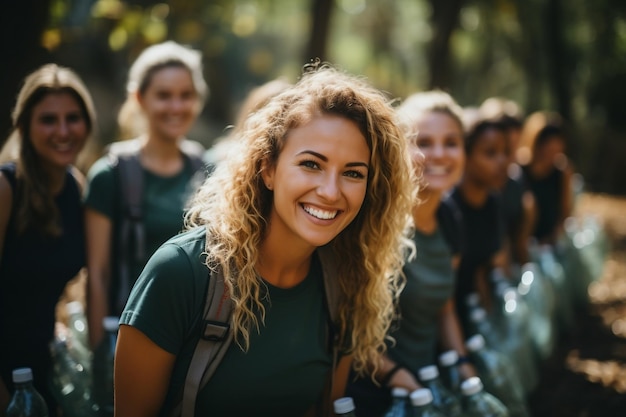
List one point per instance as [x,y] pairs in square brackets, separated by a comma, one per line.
[451,336]
[98,228]
[142,374]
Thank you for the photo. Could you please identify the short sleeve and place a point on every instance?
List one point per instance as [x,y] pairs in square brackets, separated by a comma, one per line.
[166,300]
[101,191]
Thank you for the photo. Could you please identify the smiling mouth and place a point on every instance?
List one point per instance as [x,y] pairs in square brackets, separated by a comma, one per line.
[320,214]
[436,170]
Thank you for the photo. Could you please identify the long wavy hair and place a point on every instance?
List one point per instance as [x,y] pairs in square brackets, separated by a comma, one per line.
[35,203]
[234,205]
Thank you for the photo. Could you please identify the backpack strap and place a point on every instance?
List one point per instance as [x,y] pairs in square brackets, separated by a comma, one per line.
[124,156]
[215,338]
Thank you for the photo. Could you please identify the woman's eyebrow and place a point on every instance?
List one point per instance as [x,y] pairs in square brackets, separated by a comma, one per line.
[325,159]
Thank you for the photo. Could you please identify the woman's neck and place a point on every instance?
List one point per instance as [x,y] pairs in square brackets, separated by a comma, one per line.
[160,156]
[474,194]
[425,211]
[280,264]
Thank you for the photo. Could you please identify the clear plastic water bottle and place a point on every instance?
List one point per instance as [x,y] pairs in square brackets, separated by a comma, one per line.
[498,376]
[479,403]
[71,383]
[515,327]
[78,343]
[539,296]
[481,324]
[422,404]
[26,401]
[102,369]
[443,398]
[449,371]
[344,407]
[399,403]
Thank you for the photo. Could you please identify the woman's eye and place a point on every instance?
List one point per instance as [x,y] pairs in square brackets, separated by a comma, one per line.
[48,119]
[309,164]
[354,174]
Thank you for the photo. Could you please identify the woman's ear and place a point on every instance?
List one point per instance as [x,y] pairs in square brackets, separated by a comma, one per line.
[267,173]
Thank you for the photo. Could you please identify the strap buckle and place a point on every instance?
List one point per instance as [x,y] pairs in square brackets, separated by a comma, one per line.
[215,331]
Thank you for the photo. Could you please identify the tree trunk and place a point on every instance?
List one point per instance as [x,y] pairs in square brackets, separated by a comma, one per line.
[444,20]
[321,11]
[21,31]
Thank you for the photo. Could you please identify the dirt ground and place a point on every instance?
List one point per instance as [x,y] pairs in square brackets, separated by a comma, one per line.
[586,375]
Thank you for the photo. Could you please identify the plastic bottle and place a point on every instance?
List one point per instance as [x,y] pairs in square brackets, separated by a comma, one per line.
[78,339]
[479,403]
[443,398]
[449,371]
[539,296]
[399,403]
[102,370]
[422,404]
[26,400]
[71,383]
[498,376]
[481,324]
[344,407]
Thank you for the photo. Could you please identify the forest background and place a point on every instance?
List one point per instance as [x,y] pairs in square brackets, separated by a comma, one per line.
[563,55]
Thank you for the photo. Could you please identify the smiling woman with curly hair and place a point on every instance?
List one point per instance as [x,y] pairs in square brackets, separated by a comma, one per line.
[319,184]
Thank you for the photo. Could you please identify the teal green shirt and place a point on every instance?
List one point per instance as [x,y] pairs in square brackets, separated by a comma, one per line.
[286,367]
[163,202]
[430,284]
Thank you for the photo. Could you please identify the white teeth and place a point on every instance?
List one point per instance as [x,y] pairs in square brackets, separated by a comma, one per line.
[436,170]
[320,214]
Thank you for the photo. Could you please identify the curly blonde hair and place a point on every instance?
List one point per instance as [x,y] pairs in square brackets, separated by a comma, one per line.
[234,206]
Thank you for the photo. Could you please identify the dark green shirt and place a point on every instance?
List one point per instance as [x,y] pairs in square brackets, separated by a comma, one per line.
[163,203]
[284,371]
[430,284]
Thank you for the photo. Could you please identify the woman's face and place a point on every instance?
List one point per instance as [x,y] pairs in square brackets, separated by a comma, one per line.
[319,181]
[170,102]
[440,141]
[487,162]
[58,129]
[548,152]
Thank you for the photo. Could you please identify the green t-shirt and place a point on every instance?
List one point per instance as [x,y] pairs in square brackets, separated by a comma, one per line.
[430,284]
[283,372]
[163,203]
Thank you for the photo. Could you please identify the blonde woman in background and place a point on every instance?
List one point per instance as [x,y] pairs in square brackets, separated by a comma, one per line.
[166,92]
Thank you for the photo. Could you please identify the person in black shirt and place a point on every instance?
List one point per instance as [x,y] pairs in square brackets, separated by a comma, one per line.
[480,207]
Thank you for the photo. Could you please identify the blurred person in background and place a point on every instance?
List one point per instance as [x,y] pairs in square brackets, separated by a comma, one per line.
[428,324]
[479,202]
[518,204]
[547,172]
[42,242]
[166,92]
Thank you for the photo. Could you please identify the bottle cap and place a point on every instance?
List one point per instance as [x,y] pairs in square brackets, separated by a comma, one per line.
[472,299]
[21,375]
[421,396]
[111,323]
[343,405]
[475,343]
[448,358]
[471,386]
[74,307]
[478,314]
[428,372]
[399,392]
